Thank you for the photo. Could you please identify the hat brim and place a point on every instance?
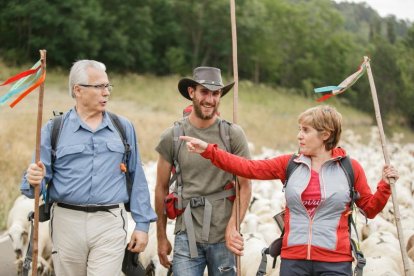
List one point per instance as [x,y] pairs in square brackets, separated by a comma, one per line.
[185,83]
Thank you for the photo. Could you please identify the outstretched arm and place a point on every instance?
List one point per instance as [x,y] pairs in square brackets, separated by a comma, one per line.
[273,168]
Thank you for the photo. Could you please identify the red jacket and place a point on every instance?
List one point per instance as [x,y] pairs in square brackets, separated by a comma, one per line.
[325,237]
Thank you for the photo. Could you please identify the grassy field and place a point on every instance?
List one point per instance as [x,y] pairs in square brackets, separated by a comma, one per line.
[268,117]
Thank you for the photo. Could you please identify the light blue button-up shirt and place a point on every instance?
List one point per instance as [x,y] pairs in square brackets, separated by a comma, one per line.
[87,167]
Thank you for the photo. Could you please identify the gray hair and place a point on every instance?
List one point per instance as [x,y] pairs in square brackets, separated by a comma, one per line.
[78,72]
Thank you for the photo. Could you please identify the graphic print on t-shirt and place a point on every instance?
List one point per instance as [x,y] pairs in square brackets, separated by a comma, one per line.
[311,196]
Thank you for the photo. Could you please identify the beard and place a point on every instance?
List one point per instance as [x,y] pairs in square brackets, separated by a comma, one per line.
[199,113]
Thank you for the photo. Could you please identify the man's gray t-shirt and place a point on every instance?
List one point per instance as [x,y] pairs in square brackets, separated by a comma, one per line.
[200,177]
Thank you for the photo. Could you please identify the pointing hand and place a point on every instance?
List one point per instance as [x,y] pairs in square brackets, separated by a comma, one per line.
[194,145]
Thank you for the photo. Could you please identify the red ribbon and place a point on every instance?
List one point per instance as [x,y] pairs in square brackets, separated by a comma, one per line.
[20,75]
[324,97]
[30,89]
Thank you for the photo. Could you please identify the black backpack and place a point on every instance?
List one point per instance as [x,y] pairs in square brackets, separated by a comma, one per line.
[274,249]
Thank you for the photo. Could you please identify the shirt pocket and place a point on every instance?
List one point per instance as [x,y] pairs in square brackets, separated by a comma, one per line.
[116,147]
[68,150]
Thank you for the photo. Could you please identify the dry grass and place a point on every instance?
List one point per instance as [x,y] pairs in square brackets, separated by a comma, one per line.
[268,117]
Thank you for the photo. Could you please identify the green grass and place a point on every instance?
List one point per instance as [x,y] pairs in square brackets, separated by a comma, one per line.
[268,116]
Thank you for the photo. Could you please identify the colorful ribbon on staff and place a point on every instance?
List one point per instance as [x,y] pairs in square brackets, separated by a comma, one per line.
[344,85]
[27,81]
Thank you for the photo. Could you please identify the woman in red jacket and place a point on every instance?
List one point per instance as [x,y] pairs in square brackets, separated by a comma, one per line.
[316,240]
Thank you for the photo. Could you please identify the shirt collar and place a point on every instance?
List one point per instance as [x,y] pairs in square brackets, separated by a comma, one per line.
[76,122]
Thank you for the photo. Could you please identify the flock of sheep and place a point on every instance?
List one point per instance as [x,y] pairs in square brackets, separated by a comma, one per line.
[379,241]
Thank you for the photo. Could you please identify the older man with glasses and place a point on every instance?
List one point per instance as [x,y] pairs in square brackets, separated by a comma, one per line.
[87,180]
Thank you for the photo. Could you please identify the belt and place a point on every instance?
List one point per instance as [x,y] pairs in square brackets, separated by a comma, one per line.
[88,209]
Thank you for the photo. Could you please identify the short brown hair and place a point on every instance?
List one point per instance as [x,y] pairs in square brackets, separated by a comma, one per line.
[324,118]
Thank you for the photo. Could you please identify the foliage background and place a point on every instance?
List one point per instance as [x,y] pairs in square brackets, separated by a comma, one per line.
[296,44]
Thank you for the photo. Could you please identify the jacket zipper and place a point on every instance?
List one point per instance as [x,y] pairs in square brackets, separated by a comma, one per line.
[309,217]
[308,255]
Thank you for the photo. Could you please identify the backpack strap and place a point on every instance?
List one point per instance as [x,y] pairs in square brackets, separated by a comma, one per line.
[261,271]
[291,167]
[29,253]
[346,165]
[178,130]
[57,124]
[359,256]
[224,130]
[121,131]
[349,172]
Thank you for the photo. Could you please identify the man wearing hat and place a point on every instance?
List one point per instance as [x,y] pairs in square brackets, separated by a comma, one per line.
[205,228]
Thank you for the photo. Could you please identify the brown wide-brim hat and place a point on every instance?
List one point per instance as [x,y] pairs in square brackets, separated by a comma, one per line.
[209,77]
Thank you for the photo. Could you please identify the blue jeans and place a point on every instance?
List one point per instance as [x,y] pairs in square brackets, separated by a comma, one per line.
[218,259]
[314,268]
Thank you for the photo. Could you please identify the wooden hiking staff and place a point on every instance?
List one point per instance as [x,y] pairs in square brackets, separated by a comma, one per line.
[235,106]
[37,159]
[387,161]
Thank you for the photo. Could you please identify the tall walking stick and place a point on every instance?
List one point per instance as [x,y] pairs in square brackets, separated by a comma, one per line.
[387,161]
[235,106]
[37,159]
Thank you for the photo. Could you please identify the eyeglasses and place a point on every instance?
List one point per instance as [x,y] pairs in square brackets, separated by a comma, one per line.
[99,86]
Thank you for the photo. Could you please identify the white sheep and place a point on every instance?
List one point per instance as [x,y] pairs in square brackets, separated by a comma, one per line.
[382,244]
[269,231]
[18,224]
[250,261]
[19,232]
[381,266]
[410,247]
[378,224]
[44,267]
